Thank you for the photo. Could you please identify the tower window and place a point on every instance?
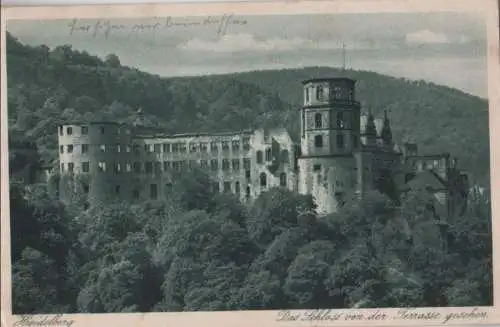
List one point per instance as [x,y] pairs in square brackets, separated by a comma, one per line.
[338,92]
[70,148]
[237,187]
[259,157]
[62,167]
[61,148]
[247,192]
[340,141]
[318,141]
[283,179]
[69,130]
[85,148]
[307,94]
[319,93]
[263,179]
[71,167]
[340,119]
[318,120]
[61,131]
[85,130]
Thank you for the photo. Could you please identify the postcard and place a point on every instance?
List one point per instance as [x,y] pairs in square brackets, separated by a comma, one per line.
[310,163]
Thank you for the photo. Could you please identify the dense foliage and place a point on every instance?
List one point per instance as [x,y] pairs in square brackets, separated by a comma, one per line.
[204,251]
[218,254]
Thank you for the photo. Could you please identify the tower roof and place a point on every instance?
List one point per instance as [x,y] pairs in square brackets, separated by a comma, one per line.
[329,79]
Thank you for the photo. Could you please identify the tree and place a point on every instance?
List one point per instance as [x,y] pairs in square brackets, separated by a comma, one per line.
[113,61]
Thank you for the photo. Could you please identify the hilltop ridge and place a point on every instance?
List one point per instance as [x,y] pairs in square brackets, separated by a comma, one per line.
[47,86]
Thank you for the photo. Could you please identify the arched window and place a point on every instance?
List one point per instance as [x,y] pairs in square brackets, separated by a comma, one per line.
[318,141]
[259,157]
[318,120]
[283,179]
[263,179]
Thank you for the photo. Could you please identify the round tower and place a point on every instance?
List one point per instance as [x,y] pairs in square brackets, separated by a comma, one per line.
[330,131]
[93,161]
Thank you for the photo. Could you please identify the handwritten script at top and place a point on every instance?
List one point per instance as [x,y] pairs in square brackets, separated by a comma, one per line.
[328,315]
[106,27]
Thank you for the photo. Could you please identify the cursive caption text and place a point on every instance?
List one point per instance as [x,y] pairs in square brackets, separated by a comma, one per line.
[379,315]
[40,321]
[106,27]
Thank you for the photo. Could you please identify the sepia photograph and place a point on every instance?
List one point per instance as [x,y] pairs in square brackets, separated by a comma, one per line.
[299,163]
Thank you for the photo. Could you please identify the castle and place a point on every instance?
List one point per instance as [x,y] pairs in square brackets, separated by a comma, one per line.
[340,152]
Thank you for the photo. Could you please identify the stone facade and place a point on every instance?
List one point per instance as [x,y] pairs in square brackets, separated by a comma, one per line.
[341,151]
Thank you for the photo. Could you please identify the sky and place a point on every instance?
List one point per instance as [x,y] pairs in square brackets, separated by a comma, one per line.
[444,48]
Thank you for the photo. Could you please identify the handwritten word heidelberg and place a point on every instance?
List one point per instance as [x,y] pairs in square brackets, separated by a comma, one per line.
[106,27]
[38,321]
[379,315]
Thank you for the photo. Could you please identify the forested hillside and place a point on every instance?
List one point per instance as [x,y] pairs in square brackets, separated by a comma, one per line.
[202,251]
[47,86]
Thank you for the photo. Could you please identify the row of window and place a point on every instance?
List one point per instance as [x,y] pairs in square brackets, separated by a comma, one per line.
[156,167]
[227,187]
[321,93]
[84,130]
[178,147]
[318,120]
[318,141]
[104,147]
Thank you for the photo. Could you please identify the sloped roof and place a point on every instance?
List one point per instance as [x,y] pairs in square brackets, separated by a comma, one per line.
[426,179]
